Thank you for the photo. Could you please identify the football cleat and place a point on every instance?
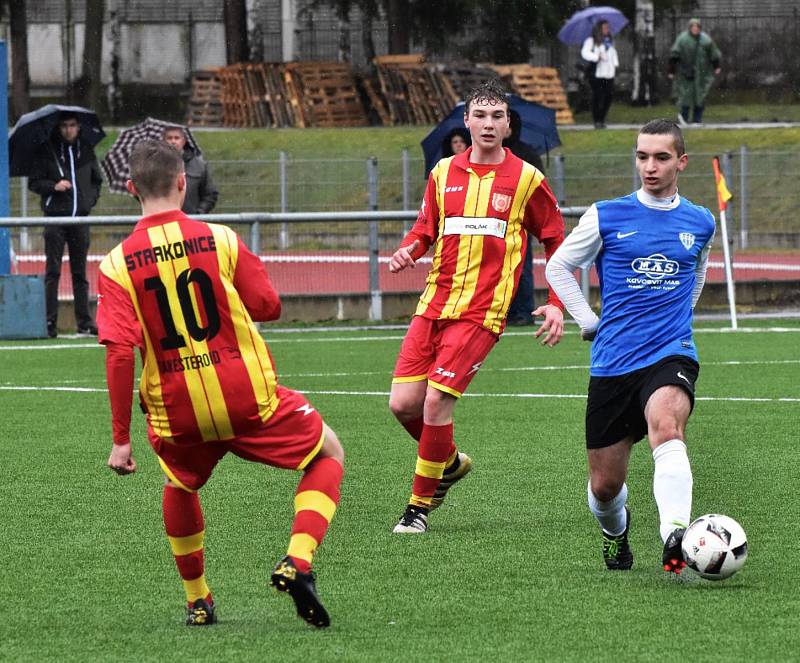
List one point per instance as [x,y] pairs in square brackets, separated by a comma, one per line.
[201,613]
[616,551]
[462,469]
[672,559]
[302,588]
[414,521]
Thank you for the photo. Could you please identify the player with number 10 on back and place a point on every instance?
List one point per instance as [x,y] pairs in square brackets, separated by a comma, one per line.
[187,293]
[651,251]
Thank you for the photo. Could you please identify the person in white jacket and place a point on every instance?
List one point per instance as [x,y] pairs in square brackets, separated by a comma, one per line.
[601,57]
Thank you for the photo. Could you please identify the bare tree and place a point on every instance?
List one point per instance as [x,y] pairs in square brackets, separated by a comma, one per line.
[399,21]
[235,17]
[91,88]
[21,83]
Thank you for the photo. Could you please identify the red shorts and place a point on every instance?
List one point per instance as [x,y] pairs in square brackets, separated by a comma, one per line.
[290,439]
[446,353]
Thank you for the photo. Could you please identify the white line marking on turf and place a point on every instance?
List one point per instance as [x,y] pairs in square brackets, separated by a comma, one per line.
[361,339]
[385,394]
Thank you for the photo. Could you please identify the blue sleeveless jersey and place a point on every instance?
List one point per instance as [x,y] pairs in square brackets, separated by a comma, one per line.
[647,273]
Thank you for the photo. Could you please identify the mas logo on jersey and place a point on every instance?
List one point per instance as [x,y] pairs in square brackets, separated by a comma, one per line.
[655,267]
[687,239]
[501,202]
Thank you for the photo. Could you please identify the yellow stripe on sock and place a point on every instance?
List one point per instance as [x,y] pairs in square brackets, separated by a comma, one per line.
[196,589]
[315,500]
[429,469]
[302,546]
[424,502]
[451,460]
[184,545]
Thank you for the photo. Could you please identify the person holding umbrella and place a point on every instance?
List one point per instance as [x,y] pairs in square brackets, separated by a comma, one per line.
[66,175]
[598,50]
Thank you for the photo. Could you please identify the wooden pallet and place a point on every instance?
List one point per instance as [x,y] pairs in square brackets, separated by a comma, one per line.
[325,93]
[205,104]
[541,85]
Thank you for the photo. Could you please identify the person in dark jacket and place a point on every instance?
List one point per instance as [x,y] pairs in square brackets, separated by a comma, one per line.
[201,192]
[519,313]
[67,176]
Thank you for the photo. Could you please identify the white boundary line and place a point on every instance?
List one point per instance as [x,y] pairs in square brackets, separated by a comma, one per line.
[385,394]
[361,339]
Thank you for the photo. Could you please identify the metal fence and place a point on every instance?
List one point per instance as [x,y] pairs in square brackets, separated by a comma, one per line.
[762,215]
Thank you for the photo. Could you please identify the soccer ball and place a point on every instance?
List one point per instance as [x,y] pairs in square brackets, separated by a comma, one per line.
[714,546]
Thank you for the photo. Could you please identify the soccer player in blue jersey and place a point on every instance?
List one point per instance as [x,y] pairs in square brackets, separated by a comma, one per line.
[650,249]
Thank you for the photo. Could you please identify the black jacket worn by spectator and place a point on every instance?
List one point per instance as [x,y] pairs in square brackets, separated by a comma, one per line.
[56,160]
[201,192]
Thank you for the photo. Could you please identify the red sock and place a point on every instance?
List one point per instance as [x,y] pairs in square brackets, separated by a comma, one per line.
[314,505]
[183,521]
[434,449]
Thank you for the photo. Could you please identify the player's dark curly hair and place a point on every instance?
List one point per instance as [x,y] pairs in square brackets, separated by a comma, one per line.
[490,90]
[664,127]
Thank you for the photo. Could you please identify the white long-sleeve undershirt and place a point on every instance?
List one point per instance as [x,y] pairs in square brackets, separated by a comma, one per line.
[580,249]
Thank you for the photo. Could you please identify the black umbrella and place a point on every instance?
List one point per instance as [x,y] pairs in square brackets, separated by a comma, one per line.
[115,163]
[35,128]
[538,129]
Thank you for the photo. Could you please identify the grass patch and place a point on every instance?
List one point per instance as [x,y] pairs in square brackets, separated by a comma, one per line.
[511,569]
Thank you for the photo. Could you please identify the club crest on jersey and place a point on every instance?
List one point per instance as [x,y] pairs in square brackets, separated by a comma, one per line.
[501,202]
[687,239]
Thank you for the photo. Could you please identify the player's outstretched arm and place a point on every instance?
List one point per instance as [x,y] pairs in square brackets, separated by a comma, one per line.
[553,325]
[403,257]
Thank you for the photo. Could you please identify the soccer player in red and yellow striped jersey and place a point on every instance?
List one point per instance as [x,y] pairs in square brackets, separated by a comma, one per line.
[477,208]
[186,294]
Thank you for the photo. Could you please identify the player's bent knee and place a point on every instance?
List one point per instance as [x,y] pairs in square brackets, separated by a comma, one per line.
[331,447]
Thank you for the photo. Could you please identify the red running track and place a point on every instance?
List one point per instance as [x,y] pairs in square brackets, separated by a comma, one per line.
[339,273]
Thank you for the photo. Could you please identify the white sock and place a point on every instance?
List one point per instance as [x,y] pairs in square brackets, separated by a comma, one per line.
[611,514]
[672,486]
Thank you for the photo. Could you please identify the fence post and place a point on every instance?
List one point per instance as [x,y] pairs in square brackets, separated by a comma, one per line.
[406,194]
[728,173]
[255,237]
[283,238]
[743,229]
[558,180]
[376,303]
[24,240]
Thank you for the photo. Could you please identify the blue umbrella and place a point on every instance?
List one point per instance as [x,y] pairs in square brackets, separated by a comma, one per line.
[579,26]
[538,129]
[35,128]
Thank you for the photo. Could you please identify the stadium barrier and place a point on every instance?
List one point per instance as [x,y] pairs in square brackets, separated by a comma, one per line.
[336,264]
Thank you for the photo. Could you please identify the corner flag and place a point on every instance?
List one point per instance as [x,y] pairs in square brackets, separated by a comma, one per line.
[723,195]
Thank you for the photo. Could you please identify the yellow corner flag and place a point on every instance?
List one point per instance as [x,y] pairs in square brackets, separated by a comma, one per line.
[723,195]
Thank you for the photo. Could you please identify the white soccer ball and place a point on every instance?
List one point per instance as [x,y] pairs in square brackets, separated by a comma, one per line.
[715,546]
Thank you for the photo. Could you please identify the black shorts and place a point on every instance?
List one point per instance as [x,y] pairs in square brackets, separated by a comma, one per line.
[615,407]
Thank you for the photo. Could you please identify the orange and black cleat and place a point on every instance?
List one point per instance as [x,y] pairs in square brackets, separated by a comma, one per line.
[672,559]
[201,613]
[302,588]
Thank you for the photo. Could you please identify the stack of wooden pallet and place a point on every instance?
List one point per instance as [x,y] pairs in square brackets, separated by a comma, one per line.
[205,104]
[539,84]
[324,94]
[413,92]
[263,94]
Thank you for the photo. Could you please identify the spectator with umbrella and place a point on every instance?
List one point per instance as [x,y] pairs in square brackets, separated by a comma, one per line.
[54,147]
[201,192]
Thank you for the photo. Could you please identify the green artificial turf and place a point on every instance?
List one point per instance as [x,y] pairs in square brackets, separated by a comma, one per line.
[510,570]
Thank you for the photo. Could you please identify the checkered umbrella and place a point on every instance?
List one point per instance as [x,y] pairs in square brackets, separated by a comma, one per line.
[115,163]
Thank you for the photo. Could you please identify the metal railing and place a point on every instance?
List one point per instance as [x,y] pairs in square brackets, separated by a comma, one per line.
[255,223]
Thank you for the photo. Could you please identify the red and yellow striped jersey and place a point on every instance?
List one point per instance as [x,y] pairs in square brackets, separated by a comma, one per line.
[187,293]
[477,225]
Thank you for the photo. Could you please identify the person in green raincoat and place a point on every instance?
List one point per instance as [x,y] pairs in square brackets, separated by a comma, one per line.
[694,62]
